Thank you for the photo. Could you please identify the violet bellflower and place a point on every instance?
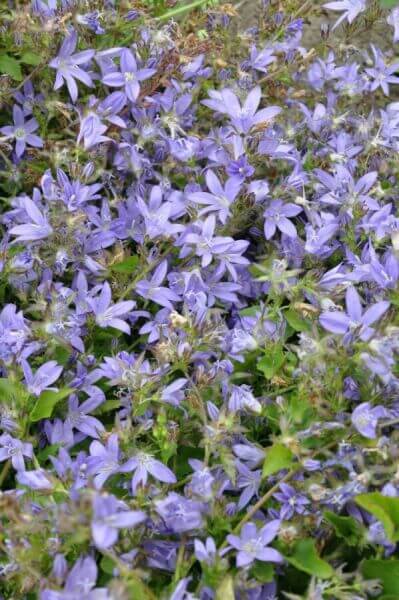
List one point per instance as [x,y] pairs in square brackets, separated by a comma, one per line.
[46,374]
[180,514]
[277,216]
[252,544]
[129,76]
[14,450]
[291,502]
[103,461]
[153,290]
[365,419]
[110,515]
[22,132]
[36,227]
[219,198]
[80,583]
[107,314]
[68,64]
[350,8]
[143,464]
[355,322]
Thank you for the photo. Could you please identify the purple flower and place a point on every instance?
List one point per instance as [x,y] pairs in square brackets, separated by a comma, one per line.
[350,8]
[354,322]
[79,583]
[107,315]
[143,464]
[276,217]
[78,417]
[37,228]
[205,552]
[22,131]
[36,480]
[242,398]
[365,419]
[152,290]
[220,198]
[103,460]
[252,544]
[248,481]
[110,515]
[382,73]
[14,450]
[129,76]
[393,20]
[180,514]
[67,65]
[47,374]
[291,501]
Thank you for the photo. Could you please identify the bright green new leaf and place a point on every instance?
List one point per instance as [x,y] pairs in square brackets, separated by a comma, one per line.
[126,266]
[296,321]
[277,457]
[30,58]
[385,509]
[389,3]
[12,391]
[305,558]
[387,571]
[10,66]
[46,402]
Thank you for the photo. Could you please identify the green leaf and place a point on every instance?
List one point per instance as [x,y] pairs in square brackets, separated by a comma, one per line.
[271,362]
[296,321]
[385,570]
[345,527]
[11,390]
[278,457]
[126,266]
[30,58]
[385,509]
[262,571]
[46,402]
[389,3]
[10,66]
[305,558]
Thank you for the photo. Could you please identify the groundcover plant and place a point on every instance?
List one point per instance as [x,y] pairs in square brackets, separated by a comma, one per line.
[199,325]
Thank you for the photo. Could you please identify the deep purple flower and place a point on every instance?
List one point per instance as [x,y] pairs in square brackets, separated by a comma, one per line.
[110,515]
[14,450]
[252,544]
[67,65]
[129,76]
[22,132]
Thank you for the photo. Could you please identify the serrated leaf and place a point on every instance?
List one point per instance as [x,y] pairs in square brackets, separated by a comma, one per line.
[10,66]
[126,266]
[305,558]
[46,402]
[387,571]
[278,457]
[30,58]
[271,362]
[345,527]
[385,509]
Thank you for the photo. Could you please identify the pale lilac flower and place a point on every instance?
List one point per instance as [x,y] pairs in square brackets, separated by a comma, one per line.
[110,515]
[354,322]
[252,544]
[103,461]
[219,198]
[37,227]
[365,419]
[80,583]
[350,8]
[47,374]
[108,315]
[22,132]
[129,76]
[180,514]
[205,552]
[36,479]
[14,450]
[242,398]
[393,20]
[142,465]
[67,65]
[153,290]
[277,216]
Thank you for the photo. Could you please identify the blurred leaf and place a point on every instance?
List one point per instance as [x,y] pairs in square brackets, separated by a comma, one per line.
[271,362]
[126,266]
[387,571]
[225,590]
[389,3]
[345,527]
[262,571]
[10,66]
[296,321]
[385,509]
[30,58]
[305,558]
[278,457]
[46,402]
[12,390]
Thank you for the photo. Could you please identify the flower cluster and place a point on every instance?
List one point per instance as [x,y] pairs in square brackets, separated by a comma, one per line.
[199,330]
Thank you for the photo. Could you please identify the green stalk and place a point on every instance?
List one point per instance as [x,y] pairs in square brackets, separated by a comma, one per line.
[181,9]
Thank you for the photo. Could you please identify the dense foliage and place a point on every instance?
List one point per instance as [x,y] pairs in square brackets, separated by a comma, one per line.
[199,325]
